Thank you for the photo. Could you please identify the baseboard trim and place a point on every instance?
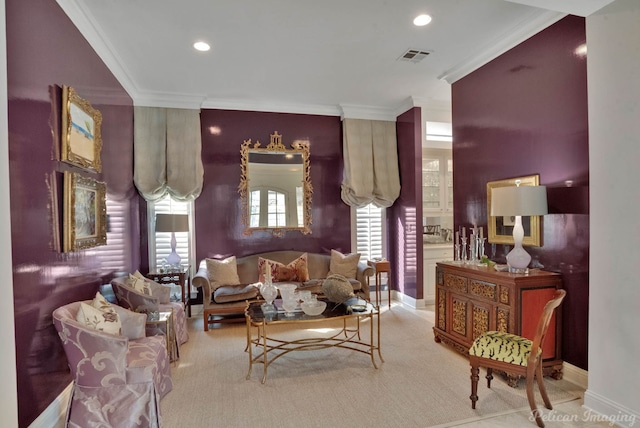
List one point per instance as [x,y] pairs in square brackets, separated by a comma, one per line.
[53,416]
[605,410]
[575,375]
[407,300]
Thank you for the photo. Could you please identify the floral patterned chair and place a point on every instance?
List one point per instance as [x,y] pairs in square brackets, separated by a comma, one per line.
[133,300]
[118,380]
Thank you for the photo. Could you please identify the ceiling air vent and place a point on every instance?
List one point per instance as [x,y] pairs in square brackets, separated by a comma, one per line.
[414,55]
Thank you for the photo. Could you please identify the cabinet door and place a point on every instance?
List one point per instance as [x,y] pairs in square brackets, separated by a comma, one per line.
[431,184]
[460,323]
[482,319]
[437,181]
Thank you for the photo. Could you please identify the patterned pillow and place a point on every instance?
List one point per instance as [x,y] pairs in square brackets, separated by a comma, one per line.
[99,315]
[222,272]
[100,302]
[344,264]
[140,285]
[297,270]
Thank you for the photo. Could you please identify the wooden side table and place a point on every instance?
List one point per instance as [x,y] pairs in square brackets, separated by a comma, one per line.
[183,279]
[381,266]
[164,325]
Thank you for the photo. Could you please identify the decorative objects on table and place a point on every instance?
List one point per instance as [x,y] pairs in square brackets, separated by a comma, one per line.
[172,223]
[269,292]
[337,288]
[313,307]
[85,212]
[519,201]
[81,138]
[500,229]
[266,176]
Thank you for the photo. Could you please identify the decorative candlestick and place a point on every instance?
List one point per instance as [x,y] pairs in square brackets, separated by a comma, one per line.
[463,255]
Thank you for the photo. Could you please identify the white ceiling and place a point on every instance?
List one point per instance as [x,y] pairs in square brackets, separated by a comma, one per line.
[305,56]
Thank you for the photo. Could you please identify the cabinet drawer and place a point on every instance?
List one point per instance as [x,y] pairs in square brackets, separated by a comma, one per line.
[455,282]
[487,290]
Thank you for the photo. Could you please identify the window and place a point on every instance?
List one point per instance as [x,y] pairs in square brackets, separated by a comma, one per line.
[160,242]
[115,257]
[369,229]
[270,207]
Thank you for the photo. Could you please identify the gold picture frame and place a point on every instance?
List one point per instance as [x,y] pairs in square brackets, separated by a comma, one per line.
[500,229]
[85,212]
[81,136]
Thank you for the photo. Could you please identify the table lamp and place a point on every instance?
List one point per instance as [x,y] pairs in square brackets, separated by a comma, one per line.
[518,201]
[172,223]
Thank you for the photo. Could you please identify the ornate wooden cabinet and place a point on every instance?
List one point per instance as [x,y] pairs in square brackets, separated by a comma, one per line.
[473,299]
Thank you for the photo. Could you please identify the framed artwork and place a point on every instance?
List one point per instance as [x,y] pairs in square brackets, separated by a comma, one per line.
[500,229]
[80,133]
[85,212]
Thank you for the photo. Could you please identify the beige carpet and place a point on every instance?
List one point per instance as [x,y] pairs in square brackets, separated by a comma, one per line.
[420,384]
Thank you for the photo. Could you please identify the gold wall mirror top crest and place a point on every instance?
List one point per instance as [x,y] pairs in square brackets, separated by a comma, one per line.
[275,187]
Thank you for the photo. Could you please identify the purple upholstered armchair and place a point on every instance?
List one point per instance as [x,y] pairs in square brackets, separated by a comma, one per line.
[133,300]
[118,381]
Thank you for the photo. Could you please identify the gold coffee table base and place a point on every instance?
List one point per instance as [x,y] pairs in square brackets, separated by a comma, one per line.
[348,337]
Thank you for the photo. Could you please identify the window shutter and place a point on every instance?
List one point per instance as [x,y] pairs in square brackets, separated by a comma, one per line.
[115,256]
[369,232]
[160,242]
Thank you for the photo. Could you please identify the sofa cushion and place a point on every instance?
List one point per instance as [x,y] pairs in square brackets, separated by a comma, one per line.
[297,270]
[344,264]
[235,293]
[222,272]
[152,288]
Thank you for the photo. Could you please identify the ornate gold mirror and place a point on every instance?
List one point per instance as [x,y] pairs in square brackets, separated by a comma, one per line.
[275,187]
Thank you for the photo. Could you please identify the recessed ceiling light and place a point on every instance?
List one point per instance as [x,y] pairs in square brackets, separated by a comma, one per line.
[421,20]
[201,46]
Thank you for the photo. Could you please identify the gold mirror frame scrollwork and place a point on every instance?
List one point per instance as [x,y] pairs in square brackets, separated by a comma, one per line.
[275,145]
[497,237]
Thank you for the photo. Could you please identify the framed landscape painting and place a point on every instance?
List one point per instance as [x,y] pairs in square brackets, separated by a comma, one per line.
[85,212]
[80,133]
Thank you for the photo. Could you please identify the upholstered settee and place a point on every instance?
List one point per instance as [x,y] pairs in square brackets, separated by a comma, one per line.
[131,299]
[118,379]
[226,294]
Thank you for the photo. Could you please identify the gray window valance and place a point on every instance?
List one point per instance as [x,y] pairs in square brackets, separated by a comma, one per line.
[371,173]
[167,153]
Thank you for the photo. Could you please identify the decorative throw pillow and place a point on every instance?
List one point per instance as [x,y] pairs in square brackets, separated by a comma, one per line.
[100,302]
[344,264]
[106,321]
[337,288]
[222,272]
[297,270]
[140,285]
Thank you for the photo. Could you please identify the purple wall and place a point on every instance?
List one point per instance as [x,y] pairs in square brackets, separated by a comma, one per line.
[218,216]
[44,51]
[405,216]
[526,113]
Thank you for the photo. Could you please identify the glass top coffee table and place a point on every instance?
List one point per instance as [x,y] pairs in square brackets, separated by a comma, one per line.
[269,348]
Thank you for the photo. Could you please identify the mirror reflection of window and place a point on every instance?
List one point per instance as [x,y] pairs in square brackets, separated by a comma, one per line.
[254,208]
[277,211]
[300,206]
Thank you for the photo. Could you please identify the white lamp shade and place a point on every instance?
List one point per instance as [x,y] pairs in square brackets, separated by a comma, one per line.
[519,200]
[172,223]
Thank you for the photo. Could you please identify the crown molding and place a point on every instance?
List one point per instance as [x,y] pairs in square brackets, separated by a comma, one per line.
[90,29]
[167,100]
[355,111]
[270,106]
[537,21]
